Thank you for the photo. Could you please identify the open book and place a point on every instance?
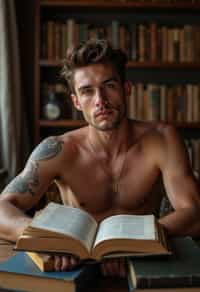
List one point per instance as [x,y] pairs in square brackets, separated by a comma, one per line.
[64,229]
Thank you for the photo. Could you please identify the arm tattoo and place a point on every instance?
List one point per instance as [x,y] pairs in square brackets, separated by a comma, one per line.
[47,149]
[29,179]
[26,181]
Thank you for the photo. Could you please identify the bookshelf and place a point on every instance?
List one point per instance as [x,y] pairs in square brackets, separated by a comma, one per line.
[153,24]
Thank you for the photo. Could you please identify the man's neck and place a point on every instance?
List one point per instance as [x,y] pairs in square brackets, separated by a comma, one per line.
[111,142]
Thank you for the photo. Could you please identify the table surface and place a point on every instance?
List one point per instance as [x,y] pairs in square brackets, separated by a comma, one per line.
[108,284]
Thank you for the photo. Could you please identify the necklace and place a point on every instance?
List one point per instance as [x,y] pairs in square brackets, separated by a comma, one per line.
[115,179]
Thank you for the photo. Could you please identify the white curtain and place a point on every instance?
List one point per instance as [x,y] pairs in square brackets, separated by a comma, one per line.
[13,134]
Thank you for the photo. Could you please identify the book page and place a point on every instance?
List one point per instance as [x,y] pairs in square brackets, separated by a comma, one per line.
[126,226]
[68,221]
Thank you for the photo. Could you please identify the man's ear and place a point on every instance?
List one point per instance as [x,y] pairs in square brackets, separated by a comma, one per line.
[76,102]
[127,87]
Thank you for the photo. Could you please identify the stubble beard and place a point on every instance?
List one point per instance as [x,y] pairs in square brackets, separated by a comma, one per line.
[110,125]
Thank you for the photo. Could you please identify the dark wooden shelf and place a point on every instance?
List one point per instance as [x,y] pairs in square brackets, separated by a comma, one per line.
[62,123]
[184,5]
[185,125]
[133,64]
[163,65]
[51,63]
[80,123]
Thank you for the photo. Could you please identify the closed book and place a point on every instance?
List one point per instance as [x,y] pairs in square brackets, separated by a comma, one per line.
[115,34]
[141,43]
[50,40]
[164,46]
[57,38]
[133,31]
[189,103]
[83,32]
[72,31]
[187,289]
[170,47]
[170,104]
[163,102]
[153,42]
[176,45]
[140,100]
[132,104]
[196,104]
[180,108]
[153,102]
[181,269]
[189,43]
[64,38]
[19,273]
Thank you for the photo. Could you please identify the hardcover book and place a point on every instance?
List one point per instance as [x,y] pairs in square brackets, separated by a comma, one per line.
[45,262]
[19,273]
[68,230]
[180,269]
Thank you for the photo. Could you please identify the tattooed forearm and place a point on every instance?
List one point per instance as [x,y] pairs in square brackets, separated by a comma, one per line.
[26,182]
[47,149]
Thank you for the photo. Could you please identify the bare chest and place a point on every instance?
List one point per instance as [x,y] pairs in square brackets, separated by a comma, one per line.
[95,189]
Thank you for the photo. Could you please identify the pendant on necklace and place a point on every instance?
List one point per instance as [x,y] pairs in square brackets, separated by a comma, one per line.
[115,187]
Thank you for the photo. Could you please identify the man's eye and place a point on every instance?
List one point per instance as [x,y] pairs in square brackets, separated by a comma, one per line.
[111,85]
[87,91]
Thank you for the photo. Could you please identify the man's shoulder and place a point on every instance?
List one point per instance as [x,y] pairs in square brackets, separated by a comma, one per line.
[153,129]
[74,137]
[58,146]
[73,141]
[156,136]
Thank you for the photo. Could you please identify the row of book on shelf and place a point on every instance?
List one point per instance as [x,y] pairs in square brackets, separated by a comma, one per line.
[193,148]
[154,260]
[171,103]
[141,42]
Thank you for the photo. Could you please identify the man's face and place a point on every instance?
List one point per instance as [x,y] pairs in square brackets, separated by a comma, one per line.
[100,95]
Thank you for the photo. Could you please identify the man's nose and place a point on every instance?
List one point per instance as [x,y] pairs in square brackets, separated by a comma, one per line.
[101,98]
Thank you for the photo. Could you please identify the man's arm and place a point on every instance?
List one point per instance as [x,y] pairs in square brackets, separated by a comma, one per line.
[180,185]
[25,191]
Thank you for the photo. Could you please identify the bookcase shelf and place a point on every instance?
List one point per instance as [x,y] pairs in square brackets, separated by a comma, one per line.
[124,4]
[148,17]
[80,123]
[62,123]
[132,64]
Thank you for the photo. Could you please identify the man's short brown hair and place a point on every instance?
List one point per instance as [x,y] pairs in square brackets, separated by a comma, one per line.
[93,52]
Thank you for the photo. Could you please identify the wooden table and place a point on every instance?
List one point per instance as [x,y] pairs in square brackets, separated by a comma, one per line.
[108,284]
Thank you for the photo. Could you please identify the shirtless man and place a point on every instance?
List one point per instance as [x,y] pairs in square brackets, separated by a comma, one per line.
[110,166]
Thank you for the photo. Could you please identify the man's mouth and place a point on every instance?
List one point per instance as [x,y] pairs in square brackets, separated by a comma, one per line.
[103,113]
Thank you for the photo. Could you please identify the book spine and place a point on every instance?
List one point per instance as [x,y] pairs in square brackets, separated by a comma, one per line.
[153,42]
[171,281]
[89,278]
[133,30]
[115,34]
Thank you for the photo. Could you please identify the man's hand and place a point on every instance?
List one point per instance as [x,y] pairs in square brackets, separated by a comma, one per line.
[109,267]
[114,267]
[65,263]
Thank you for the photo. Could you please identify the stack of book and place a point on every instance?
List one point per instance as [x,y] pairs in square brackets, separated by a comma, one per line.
[178,272]
[67,230]
[153,263]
